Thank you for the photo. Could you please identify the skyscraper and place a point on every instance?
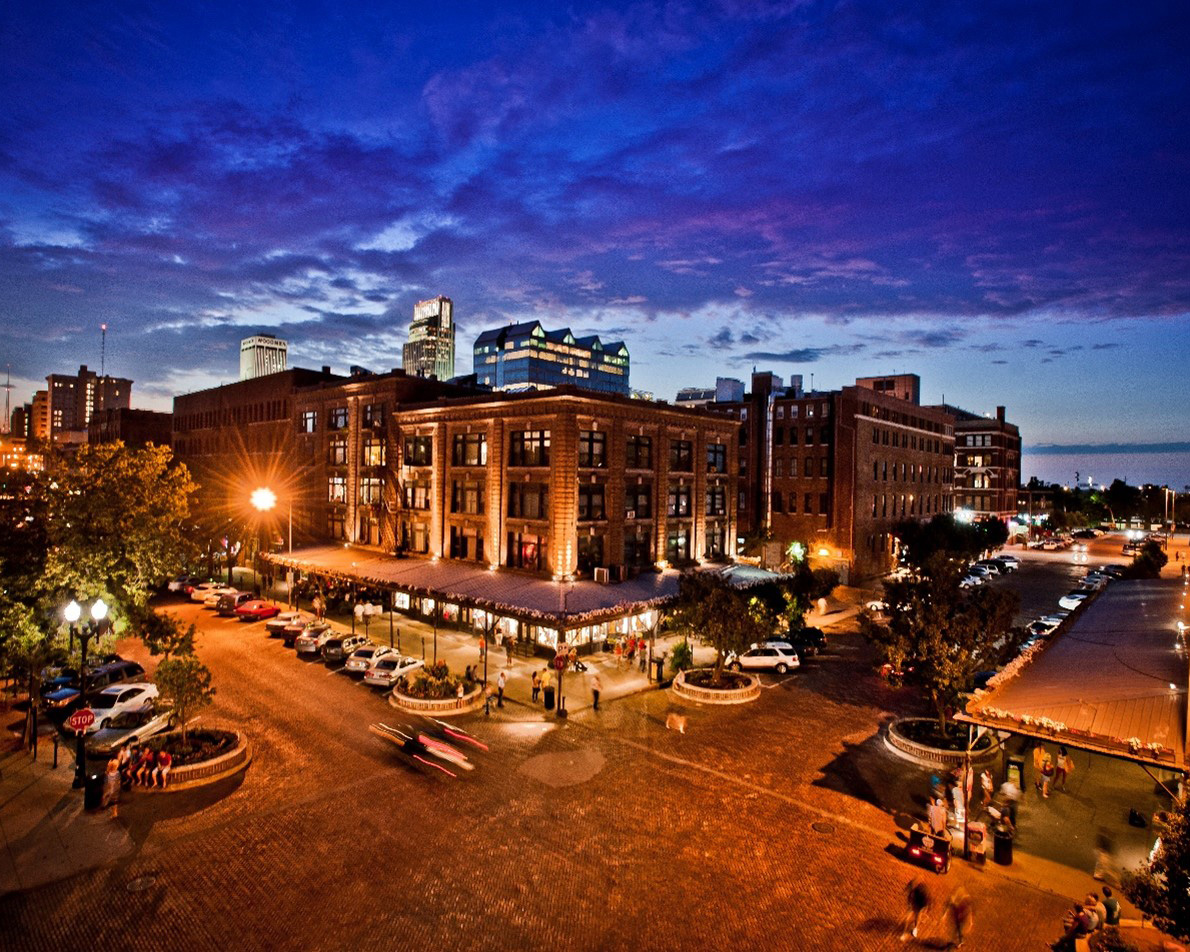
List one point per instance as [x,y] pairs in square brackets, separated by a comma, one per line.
[430,351]
[528,357]
[261,355]
[71,400]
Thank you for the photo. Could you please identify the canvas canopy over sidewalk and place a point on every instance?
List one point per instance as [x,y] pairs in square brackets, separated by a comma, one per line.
[1114,682]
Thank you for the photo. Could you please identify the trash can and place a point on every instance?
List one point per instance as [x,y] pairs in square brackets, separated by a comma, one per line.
[548,692]
[1014,772]
[1002,844]
[659,664]
[93,791]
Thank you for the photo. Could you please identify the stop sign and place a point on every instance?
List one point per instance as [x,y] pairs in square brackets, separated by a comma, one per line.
[81,719]
[560,661]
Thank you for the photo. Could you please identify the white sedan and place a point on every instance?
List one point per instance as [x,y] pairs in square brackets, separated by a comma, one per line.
[212,597]
[1073,600]
[387,671]
[200,591]
[276,625]
[119,698]
[365,656]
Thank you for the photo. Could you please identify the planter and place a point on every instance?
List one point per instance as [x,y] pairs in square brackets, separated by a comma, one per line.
[927,755]
[438,707]
[205,772]
[738,695]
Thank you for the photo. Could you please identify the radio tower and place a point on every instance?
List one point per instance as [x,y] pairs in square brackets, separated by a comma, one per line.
[7,394]
[102,349]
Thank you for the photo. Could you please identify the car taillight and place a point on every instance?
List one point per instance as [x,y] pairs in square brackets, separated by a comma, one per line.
[914,851]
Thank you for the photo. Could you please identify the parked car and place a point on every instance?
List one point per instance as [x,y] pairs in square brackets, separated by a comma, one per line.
[118,698]
[229,604]
[980,571]
[1073,600]
[200,591]
[293,632]
[1007,563]
[342,646]
[1113,570]
[388,670]
[1095,580]
[54,679]
[1043,627]
[212,599]
[66,699]
[257,609]
[776,656]
[807,642]
[364,656]
[991,566]
[183,583]
[312,640]
[970,581]
[278,623]
[130,727]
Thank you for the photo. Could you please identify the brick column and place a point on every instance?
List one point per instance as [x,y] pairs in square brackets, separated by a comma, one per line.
[563,492]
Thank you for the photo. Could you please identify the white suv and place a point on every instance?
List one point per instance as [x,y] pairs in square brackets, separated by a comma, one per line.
[776,656]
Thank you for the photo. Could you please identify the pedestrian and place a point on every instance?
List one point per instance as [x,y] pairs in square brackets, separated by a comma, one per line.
[536,682]
[596,687]
[1093,905]
[985,783]
[644,657]
[1111,908]
[508,651]
[111,786]
[960,913]
[619,651]
[1047,776]
[956,798]
[500,682]
[1039,755]
[936,815]
[483,647]
[124,763]
[165,762]
[917,899]
[547,689]
[1062,768]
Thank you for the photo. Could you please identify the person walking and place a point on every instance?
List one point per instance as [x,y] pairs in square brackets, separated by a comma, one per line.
[111,787]
[1039,755]
[917,900]
[619,652]
[986,783]
[500,682]
[936,815]
[508,651]
[959,913]
[644,657]
[547,689]
[596,687]
[536,682]
[1062,769]
[1047,776]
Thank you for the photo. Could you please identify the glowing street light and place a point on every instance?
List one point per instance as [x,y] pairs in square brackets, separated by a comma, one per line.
[265,500]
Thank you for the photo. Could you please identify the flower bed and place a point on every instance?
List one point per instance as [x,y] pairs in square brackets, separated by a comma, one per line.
[207,757]
[201,745]
[694,685]
[439,707]
[432,683]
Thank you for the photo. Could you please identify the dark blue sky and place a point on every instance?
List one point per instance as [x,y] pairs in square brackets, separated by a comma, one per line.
[993,195]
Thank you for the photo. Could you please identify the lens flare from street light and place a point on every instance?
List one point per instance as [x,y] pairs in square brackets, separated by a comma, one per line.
[72,612]
[263,498]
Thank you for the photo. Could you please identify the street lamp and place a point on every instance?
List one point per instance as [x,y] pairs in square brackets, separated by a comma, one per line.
[265,500]
[72,613]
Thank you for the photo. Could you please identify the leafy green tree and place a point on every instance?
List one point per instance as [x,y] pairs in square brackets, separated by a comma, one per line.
[940,634]
[26,648]
[163,633]
[1161,888]
[1148,563]
[185,684]
[944,533]
[788,599]
[720,615]
[117,519]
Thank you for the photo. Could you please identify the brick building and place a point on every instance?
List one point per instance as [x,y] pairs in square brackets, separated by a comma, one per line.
[987,464]
[133,427]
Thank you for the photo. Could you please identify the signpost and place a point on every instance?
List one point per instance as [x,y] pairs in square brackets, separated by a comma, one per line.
[560,666]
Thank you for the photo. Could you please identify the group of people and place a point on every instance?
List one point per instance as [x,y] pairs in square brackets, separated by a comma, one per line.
[1088,916]
[958,911]
[134,766]
[1051,773]
[632,648]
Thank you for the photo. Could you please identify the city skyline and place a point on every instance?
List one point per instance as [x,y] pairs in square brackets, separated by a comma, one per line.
[993,202]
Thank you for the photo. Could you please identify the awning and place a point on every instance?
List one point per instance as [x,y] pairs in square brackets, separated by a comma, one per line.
[1114,680]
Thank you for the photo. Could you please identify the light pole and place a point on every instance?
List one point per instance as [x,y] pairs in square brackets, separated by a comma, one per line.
[265,500]
[72,613]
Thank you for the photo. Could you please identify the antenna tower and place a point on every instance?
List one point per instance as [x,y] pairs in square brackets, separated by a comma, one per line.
[102,350]
[7,395]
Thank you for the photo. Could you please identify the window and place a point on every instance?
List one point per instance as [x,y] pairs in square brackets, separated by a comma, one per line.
[466,498]
[792,503]
[793,411]
[527,551]
[638,546]
[373,417]
[716,458]
[466,542]
[638,502]
[823,503]
[793,436]
[336,525]
[808,504]
[716,537]
[337,489]
[528,501]
[778,436]
[590,553]
[592,449]
[308,422]
[824,435]
[639,453]
[875,435]
[779,413]
[716,501]
[336,451]
[590,502]
[371,490]
[417,494]
[529,448]
[469,449]
[778,467]
[776,502]
[337,419]
[419,450]
[417,537]
[678,502]
[372,452]
[681,456]
[808,466]
[742,502]
[677,545]
[824,466]
[809,435]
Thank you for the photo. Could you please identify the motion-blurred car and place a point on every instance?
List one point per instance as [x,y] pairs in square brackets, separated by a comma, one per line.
[213,597]
[200,591]
[257,609]
[276,625]
[807,641]
[117,699]
[183,583]
[292,632]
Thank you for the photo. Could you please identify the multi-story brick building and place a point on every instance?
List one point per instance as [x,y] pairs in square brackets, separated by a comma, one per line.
[987,464]
[134,427]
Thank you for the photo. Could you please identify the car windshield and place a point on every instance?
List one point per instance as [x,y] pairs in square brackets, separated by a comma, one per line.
[104,701]
[365,652]
[334,643]
[129,719]
[387,665]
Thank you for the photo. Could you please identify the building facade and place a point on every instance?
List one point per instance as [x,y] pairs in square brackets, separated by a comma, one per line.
[430,350]
[987,464]
[72,399]
[132,427]
[528,357]
[261,355]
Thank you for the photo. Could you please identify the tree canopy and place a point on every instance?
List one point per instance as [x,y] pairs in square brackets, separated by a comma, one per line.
[1161,888]
[1148,563]
[185,684]
[720,615]
[923,540]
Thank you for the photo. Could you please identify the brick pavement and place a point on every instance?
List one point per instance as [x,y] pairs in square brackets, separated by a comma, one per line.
[651,839]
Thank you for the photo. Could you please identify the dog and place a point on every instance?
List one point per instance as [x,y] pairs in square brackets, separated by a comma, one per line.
[675,722]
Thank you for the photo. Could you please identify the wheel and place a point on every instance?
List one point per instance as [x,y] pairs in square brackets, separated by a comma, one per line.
[103,724]
[782,668]
[736,666]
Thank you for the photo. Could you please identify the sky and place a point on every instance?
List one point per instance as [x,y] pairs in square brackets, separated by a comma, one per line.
[992,195]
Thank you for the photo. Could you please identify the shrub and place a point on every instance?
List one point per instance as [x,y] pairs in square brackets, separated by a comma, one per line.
[432,683]
[682,657]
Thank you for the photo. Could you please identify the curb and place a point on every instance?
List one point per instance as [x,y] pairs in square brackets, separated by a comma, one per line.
[208,772]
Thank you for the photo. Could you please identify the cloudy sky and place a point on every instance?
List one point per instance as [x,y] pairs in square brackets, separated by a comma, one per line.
[992,195]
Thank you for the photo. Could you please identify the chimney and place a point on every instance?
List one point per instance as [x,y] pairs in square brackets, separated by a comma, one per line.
[1000,414]
[326,368]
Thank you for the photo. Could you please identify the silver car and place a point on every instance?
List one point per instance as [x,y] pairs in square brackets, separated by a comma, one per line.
[776,656]
[311,642]
[363,657]
[387,671]
[130,727]
[341,646]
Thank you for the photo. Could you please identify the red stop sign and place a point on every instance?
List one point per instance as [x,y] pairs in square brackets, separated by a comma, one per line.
[81,719]
[560,661]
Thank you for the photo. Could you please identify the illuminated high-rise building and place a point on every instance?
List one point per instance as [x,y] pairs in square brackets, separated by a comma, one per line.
[430,351]
[528,357]
[261,355]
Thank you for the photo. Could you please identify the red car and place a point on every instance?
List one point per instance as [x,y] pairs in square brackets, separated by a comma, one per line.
[257,610]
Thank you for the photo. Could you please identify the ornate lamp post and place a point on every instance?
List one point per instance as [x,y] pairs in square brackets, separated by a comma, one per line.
[94,626]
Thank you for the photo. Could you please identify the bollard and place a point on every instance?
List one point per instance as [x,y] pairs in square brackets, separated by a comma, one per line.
[55,750]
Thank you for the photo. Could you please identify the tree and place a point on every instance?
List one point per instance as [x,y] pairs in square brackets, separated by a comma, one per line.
[788,599]
[1148,562]
[185,684]
[163,633]
[939,634]
[944,533]
[720,615]
[116,520]
[1161,888]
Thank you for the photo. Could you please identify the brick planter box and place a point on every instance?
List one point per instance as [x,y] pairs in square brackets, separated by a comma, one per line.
[694,692]
[443,707]
[208,772]
[934,756]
